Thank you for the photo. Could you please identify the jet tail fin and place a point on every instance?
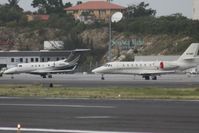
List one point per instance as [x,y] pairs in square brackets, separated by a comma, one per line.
[190,53]
[74,61]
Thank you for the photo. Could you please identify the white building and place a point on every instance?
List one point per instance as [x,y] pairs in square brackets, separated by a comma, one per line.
[12,58]
[195,9]
[53,45]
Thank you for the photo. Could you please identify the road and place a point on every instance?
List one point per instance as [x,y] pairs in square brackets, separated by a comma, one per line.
[91,80]
[83,115]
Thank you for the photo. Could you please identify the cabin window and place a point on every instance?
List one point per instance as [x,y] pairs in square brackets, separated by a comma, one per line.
[57,58]
[19,65]
[12,59]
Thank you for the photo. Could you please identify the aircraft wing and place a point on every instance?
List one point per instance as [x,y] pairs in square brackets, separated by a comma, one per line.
[49,71]
[155,72]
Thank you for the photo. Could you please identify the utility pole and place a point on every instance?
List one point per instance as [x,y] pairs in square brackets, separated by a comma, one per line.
[110,37]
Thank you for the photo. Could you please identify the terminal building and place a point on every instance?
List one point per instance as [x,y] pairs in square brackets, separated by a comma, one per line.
[12,58]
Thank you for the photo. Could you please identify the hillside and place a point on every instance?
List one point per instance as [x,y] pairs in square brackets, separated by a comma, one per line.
[26,39]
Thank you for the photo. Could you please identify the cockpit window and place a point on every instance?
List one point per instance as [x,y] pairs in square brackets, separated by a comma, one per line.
[107,65]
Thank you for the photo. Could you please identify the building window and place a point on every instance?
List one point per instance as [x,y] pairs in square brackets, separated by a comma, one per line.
[57,58]
[42,59]
[21,59]
[36,59]
[32,59]
[12,59]
[48,59]
[26,60]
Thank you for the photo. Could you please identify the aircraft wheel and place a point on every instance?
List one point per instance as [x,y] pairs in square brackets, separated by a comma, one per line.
[102,78]
[50,76]
[154,77]
[147,77]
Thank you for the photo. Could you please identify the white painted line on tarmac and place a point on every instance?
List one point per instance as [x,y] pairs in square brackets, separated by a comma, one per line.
[58,130]
[94,117]
[53,105]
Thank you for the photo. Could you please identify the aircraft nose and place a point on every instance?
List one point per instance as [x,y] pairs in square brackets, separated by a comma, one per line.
[96,70]
[10,71]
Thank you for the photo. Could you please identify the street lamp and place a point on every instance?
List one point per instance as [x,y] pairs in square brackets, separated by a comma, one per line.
[116,17]
[110,37]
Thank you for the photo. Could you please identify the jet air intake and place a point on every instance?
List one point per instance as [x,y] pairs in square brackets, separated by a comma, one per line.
[164,65]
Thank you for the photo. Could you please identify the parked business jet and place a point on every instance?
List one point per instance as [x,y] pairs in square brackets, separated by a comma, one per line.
[47,68]
[187,60]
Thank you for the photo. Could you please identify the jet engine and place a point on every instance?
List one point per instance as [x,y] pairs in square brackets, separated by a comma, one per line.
[165,65]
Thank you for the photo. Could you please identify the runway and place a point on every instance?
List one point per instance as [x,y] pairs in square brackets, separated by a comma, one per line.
[98,116]
[91,80]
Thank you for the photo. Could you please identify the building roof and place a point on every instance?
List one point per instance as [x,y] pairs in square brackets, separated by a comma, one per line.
[95,5]
[34,53]
[42,17]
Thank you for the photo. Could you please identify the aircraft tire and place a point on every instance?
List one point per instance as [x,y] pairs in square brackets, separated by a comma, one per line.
[154,77]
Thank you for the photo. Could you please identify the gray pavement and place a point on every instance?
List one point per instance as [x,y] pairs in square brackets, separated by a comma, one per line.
[91,80]
[99,116]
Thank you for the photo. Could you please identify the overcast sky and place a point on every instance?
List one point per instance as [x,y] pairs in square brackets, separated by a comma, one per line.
[163,7]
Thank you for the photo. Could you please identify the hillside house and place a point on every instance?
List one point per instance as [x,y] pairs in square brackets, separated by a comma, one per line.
[91,11]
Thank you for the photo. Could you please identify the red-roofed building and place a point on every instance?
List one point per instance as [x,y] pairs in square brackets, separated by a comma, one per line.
[99,10]
[33,17]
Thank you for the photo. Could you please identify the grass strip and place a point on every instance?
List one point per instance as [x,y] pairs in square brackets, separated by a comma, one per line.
[99,93]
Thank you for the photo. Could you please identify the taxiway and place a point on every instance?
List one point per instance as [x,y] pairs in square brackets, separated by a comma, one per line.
[91,80]
[98,116]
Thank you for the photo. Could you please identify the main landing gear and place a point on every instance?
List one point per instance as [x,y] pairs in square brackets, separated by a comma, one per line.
[102,78]
[147,77]
[45,76]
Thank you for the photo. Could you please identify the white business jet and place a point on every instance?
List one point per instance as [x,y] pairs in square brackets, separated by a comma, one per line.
[187,60]
[47,68]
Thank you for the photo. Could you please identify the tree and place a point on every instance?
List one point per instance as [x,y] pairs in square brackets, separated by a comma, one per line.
[79,2]
[139,11]
[68,4]
[13,3]
[41,4]
[49,6]
[10,16]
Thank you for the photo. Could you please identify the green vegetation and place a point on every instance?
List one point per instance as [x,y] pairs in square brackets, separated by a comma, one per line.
[100,93]
[138,20]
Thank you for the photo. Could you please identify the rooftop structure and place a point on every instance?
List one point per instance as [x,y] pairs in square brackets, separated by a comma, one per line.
[94,10]
[195,9]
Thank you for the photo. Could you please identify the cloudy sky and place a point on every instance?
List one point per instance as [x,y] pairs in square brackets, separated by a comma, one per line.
[163,7]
